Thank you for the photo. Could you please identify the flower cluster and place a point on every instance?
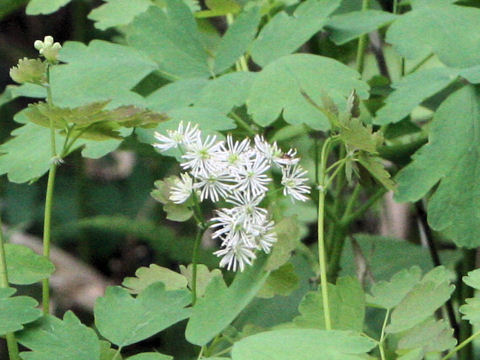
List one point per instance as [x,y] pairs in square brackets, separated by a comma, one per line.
[48,48]
[237,172]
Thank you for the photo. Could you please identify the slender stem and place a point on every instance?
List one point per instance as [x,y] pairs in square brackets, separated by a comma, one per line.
[12,345]
[461,345]
[420,64]
[201,352]
[321,233]
[348,219]
[353,199]
[362,44]
[243,123]
[395,6]
[382,336]
[117,353]
[464,292]
[48,204]
[196,245]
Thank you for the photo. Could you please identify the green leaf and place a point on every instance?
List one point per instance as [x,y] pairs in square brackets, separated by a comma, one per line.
[92,121]
[411,91]
[223,6]
[386,256]
[389,294]
[107,353]
[37,7]
[24,267]
[284,34]
[279,87]
[222,93]
[16,311]
[288,238]
[171,38]
[27,155]
[145,276]
[29,90]
[349,26]
[98,72]
[451,158]
[438,27]
[125,320]
[150,356]
[471,310]
[117,12]
[358,136]
[67,339]
[473,279]
[347,307]
[422,301]
[161,193]
[374,165]
[282,282]
[204,277]
[29,70]
[224,302]
[312,344]
[236,39]
[430,336]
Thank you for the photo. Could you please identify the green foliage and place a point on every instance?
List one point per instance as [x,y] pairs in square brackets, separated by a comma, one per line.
[98,72]
[37,7]
[471,310]
[171,38]
[204,277]
[24,267]
[351,25]
[16,311]
[150,356]
[161,193]
[422,301]
[67,339]
[225,302]
[313,344]
[284,34]
[411,91]
[288,238]
[117,12]
[453,208]
[29,71]
[438,27]
[282,281]
[145,276]
[278,88]
[125,320]
[347,310]
[388,294]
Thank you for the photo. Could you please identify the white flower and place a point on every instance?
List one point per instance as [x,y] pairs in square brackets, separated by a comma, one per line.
[181,191]
[48,48]
[201,156]
[294,180]
[287,159]
[236,256]
[266,236]
[252,178]
[247,209]
[235,153]
[215,184]
[175,138]
[267,150]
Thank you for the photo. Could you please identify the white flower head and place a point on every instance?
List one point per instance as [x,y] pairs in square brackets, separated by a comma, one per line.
[266,236]
[236,256]
[247,209]
[235,153]
[294,181]
[201,156]
[48,48]
[175,138]
[252,178]
[214,185]
[181,191]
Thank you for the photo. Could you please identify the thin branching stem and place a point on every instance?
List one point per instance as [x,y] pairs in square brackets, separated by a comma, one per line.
[12,345]
[362,44]
[461,345]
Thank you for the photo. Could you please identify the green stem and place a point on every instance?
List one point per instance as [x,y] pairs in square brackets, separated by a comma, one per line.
[196,245]
[243,123]
[349,218]
[321,233]
[117,353]
[420,64]
[362,44]
[382,336]
[200,353]
[12,345]
[48,204]
[461,345]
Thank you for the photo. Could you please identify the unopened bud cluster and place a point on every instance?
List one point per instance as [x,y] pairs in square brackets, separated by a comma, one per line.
[237,172]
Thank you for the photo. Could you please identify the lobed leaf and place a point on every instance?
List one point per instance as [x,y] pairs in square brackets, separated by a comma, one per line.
[24,267]
[204,277]
[282,281]
[117,12]
[125,320]
[145,276]
[16,311]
